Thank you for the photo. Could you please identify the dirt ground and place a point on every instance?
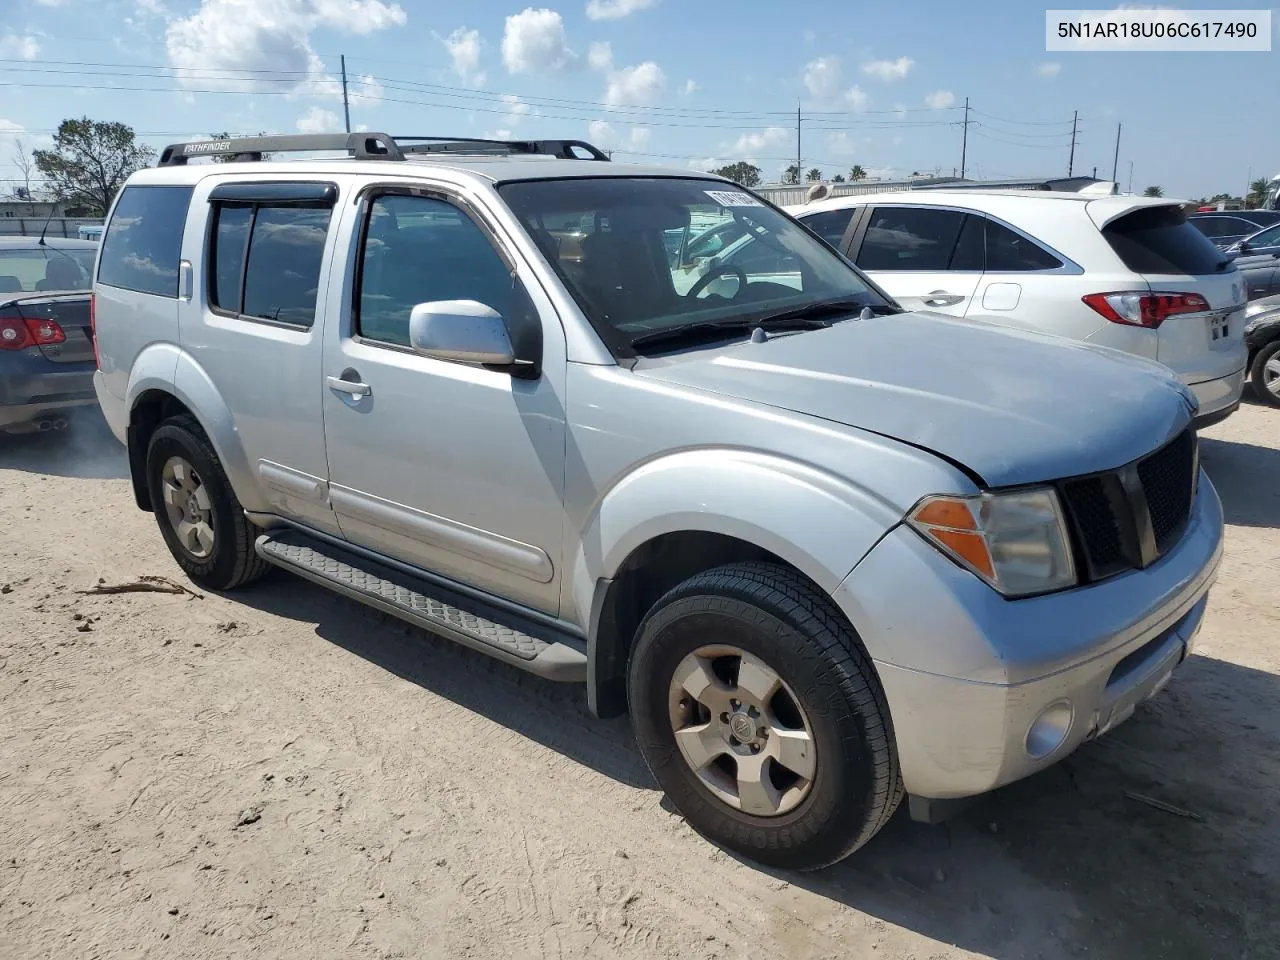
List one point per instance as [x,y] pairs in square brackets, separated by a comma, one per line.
[283,774]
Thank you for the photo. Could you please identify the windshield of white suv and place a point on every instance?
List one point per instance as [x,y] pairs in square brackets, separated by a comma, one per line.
[650,259]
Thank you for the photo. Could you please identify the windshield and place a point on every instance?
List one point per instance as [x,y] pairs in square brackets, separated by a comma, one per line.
[644,255]
[34,268]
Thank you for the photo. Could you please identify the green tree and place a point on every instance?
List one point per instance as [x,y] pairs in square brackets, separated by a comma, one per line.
[838,178]
[747,174]
[90,161]
[224,135]
[1153,192]
[814,175]
[791,174]
[857,173]
[1257,193]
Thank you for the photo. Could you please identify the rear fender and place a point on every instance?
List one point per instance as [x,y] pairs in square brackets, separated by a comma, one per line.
[166,368]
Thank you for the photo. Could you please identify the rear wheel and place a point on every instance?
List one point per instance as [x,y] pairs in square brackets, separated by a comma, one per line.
[760,715]
[1265,374]
[198,513]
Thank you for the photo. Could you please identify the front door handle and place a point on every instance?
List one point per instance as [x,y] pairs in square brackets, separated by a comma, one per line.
[940,298]
[353,387]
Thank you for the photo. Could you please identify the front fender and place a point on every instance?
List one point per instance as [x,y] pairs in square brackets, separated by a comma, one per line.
[819,523]
[166,368]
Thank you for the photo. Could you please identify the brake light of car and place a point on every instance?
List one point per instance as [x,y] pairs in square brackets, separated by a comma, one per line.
[1145,309]
[17,332]
[13,331]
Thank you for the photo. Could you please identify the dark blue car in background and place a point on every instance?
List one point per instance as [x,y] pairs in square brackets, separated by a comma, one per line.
[46,337]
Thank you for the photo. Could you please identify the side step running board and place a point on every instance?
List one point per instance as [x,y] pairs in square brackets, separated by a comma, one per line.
[422,604]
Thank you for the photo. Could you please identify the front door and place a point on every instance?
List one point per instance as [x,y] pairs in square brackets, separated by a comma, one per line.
[918,256]
[449,466]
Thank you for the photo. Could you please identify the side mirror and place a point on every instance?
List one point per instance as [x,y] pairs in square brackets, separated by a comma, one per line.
[1242,247]
[461,330]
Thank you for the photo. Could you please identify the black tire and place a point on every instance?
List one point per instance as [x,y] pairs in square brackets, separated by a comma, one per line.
[232,562]
[1257,373]
[774,614]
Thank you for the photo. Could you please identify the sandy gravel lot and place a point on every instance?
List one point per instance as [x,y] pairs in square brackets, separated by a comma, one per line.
[283,774]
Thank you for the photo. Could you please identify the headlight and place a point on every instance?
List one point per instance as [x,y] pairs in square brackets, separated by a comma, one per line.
[1015,541]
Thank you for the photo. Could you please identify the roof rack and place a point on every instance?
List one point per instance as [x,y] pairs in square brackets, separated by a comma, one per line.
[369,146]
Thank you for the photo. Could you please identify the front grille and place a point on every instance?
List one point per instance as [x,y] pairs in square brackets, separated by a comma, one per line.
[1167,483]
[1095,521]
[1128,518]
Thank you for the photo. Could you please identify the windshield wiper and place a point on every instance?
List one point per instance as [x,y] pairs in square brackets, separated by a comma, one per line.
[825,308]
[716,329]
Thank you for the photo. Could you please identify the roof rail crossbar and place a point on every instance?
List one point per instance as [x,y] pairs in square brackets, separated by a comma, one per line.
[563,149]
[361,146]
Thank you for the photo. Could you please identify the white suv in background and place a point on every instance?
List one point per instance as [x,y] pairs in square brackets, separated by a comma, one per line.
[1124,272]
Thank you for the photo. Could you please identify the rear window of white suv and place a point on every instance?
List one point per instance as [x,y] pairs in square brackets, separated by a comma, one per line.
[143,242]
[1160,240]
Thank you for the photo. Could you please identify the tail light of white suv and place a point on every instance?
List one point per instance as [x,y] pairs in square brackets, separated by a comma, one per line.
[1145,309]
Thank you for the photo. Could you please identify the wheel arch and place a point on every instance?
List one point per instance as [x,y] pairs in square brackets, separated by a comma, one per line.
[726,506]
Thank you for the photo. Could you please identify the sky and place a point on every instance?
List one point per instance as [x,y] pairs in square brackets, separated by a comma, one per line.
[673,82]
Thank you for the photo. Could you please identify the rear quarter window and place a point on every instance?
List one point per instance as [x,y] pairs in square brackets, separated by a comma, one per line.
[143,241]
[1160,240]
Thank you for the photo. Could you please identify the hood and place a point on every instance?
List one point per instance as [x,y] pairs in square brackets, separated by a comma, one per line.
[1012,407]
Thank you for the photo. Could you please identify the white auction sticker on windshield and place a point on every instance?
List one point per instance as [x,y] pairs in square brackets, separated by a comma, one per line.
[732,198]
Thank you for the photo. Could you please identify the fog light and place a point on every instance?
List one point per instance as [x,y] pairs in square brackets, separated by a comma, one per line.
[1049,730]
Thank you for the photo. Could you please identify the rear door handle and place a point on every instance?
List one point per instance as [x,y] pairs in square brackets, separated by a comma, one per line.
[940,298]
[353,387]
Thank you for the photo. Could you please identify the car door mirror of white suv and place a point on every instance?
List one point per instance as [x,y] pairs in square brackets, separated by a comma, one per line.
[465,331]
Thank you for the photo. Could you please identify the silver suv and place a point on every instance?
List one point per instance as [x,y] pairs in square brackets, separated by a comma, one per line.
[826,552]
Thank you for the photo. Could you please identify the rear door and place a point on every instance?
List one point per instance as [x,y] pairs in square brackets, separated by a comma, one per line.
[1172,256]
[916,254]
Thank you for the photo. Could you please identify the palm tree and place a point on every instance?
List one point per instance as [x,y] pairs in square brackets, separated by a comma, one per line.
[791,174]
[814,175]
[1153,192]
[857,173]
[1257,193]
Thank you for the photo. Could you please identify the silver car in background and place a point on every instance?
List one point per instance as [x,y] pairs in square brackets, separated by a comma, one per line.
[825,552]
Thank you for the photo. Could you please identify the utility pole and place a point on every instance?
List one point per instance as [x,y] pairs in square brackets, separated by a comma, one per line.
[1071,160]
[798,167]
[1116,162]
[346,104]
[964,141]
[1130,176]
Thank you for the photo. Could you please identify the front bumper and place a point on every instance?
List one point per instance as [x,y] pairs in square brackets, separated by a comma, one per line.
[983,691]
[1218,398]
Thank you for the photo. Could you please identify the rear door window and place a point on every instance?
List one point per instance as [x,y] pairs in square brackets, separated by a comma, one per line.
[143,241]
[830,225]
[910,238]
[1010,252]
[266,260]
[1160,240]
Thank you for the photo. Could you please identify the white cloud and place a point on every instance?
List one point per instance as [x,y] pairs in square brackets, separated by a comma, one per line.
[689,89]
[822,77]
[615,9]
[14,47]
[50,3]
[600,56]
[639,85]
[841,144]
[1049,69]
[319,120]
[857,99]
[267,35]
[940,100]
[888,70]
[516,108]
[607,137]
[753,143]
[534,41]
[500,134]
[464,50]
[149,8]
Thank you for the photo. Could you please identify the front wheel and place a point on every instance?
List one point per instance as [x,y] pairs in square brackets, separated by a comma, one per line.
[760,715]
[1265,374]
